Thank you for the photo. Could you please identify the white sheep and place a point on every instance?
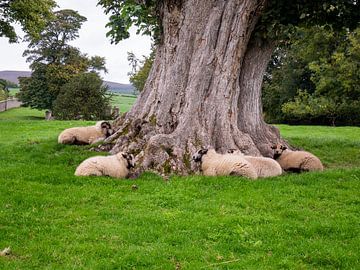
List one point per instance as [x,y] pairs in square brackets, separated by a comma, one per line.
[265,167]
[116,166]
[213,164]
[296,161]
[86,135]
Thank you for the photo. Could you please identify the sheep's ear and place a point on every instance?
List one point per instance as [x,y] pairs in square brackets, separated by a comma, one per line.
[273,146]
[106,124]
[283,147]
[125,156]
[203,151]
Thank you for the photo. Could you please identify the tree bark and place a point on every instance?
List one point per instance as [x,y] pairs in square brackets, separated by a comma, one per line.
[204,89]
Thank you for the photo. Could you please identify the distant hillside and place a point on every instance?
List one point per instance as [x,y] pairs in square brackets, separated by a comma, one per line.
[120,87]
[13,75]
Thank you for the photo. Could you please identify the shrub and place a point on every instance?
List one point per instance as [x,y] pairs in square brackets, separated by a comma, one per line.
[83,97]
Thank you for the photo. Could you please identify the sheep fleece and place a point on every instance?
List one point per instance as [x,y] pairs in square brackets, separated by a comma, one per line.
[113,166]
[302,160]
[82,135]
[217,164]
[265,167]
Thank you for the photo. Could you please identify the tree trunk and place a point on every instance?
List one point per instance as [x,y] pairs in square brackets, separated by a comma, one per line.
[204,89]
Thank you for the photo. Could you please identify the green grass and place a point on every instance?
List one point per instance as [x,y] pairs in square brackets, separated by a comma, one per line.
[53,220]
[13,91]
[337,147]
[124,102]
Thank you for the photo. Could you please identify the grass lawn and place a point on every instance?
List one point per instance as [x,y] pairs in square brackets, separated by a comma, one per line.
[124,102]
[13,91]
[54,220]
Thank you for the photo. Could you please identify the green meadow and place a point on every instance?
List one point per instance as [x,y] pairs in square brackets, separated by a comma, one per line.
[124,102]
[54,220]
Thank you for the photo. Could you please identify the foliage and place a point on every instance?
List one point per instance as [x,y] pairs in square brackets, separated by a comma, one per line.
[4,91]
[140,69]
[125,13]
[294,221]
[31,15]
[54,61]
[52,45]
[41,89]
[281,16]
[83,97]
[277,21]
[323,64]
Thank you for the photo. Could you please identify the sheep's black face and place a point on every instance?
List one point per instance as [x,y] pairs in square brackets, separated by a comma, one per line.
[106,129]
[278,150]
[199,154]
[130,160]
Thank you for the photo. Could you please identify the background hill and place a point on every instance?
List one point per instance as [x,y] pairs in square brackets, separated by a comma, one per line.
[13,75]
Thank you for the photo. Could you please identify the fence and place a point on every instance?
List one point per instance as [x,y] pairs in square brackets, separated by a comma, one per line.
[8,104]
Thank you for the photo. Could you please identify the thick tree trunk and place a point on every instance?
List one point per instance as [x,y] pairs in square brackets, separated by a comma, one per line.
[204,89]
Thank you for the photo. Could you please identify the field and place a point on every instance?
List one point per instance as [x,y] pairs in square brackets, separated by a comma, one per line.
[124,102]
[53,220]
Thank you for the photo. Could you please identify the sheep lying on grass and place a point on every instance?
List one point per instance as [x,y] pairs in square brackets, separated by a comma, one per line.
[116,166]
[213,164]
[86,135]
[296,161]
[265,167]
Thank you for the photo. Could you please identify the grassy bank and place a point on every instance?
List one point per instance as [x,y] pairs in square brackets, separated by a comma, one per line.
[54,220]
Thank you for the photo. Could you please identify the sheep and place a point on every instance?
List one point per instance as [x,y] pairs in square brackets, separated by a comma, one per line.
[86,135]
[213,164]
[265,167]
[116,166]
[296,161]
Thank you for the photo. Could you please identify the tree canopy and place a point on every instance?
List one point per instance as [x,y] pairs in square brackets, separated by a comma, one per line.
[140,69]
[31,15]
[277,20]
[316,80]
[83,97]
[54,62]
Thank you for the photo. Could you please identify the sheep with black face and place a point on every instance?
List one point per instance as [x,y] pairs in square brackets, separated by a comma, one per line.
[86,135]
[117,166]
[296,161]
[215,164]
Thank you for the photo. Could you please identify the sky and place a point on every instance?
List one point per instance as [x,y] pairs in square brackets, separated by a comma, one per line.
[92,41]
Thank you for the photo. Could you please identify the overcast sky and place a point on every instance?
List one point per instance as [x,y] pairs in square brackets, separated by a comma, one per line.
[92,41]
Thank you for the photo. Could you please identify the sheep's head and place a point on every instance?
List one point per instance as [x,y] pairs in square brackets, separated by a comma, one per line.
[235,151]
[199,154]
[106,128]
[130,160]
[278,149]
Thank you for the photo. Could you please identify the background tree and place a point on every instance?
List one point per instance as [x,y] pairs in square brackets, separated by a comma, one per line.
[317,81]
[140,69]
[54,62]
[31,15]
[204,88]
[83,97]
[4,92]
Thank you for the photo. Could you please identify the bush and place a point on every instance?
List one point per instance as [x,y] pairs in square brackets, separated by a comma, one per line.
[83,97]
